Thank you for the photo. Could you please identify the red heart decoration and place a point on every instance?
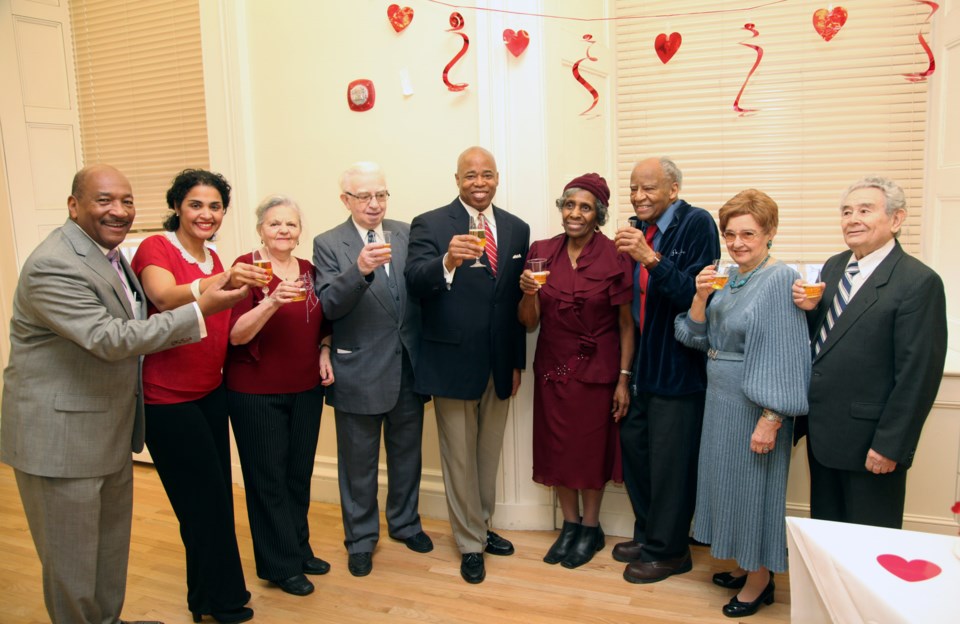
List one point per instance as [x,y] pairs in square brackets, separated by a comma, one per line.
[912,571]
[666,47]
[516,42]
[400,17]
[829,23]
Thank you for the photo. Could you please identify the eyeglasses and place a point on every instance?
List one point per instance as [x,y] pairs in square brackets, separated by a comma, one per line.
[366,198]
[747,236]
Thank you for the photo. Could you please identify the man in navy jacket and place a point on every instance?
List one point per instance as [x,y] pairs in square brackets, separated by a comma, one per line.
[660,435]
[472,346]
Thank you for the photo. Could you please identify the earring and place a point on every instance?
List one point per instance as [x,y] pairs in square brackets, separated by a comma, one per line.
[769,244]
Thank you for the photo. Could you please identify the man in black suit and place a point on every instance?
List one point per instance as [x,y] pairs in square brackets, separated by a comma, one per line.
[472,345]
[879,339]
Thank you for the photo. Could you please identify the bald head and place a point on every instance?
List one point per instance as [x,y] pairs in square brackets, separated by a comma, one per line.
[477,177]
[101,203]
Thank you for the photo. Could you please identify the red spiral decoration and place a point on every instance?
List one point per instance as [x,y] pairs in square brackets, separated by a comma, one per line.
[456,23]
[759,50]
[921,76]
[581,79]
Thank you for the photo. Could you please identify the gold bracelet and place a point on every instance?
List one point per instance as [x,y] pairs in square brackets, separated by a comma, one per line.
[772,416]
[626,372]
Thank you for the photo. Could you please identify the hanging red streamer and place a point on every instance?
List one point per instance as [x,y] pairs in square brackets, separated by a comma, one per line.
[921,76]
[456,23]
[580,79]
[736,102]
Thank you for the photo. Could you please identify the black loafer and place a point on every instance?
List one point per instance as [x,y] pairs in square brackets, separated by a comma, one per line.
[725,579]
[735,608]
[297,585]
[419,542]
[471,568]
[315,565]
[496,545]
[360,564]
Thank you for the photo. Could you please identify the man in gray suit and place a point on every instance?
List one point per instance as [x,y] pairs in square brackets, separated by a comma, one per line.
[376,333]
[72,401]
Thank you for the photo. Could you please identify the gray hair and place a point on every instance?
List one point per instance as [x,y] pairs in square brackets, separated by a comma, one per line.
[272,201]
[600,207]
[893,196]
[356,169]
[671,170]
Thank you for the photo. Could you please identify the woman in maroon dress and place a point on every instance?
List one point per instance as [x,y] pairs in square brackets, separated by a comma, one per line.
[582,364]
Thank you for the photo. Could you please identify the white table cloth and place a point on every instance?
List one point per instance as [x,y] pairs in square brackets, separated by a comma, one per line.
[835,575]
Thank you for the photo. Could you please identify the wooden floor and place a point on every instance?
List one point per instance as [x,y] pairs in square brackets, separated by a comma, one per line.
[403,587]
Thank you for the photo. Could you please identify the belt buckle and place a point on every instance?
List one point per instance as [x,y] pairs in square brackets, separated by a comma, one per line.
[712,353]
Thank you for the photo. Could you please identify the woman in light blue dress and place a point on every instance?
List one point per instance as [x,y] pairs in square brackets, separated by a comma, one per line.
[758,370]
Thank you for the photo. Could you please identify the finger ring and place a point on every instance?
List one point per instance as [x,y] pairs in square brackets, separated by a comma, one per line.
[766,449]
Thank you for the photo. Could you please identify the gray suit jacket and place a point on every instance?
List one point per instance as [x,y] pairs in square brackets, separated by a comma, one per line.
[372,325]
[72,396]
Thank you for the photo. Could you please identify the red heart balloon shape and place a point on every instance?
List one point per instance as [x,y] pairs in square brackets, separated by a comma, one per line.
[666,47]
[912,571]
[400,17]
[516,42]
[829,23]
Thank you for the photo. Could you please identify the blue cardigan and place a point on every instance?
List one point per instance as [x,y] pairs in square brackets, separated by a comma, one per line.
[661,364]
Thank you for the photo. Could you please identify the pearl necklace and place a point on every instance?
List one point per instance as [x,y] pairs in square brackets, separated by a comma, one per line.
[740,283]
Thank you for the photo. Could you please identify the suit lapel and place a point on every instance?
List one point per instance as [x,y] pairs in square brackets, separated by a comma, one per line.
[98,263]
[352,246]
[866,296]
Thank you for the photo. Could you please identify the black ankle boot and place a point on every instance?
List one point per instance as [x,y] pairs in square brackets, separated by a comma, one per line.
[560,548]
[588,542]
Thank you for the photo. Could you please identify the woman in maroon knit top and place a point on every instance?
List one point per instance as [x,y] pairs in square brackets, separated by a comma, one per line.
[276,369]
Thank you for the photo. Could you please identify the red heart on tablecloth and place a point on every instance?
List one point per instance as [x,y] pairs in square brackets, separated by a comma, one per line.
[912,571]
[400,17]
[666,47]
[829,23]
[516,42]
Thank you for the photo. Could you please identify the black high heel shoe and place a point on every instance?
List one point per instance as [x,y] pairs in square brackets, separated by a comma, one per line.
[736,608]
[228,617]
[725,579]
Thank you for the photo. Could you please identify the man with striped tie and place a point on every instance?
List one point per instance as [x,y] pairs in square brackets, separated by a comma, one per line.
[879,340]
[472,346]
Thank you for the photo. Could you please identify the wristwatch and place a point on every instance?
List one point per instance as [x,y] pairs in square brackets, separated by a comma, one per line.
[772,416]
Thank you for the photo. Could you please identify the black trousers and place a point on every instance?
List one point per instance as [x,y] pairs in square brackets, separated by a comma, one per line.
[190,446]
[660,443]
[856,496]
[277,440]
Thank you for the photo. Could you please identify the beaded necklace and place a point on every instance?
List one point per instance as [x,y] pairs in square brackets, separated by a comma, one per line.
[740,283]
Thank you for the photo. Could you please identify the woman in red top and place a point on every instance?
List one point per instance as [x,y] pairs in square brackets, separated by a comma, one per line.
[275,379]
[186,404]
[583,353]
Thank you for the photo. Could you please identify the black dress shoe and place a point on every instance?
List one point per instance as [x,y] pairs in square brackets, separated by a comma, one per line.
[496,545]
[315,565]
[298,585]
[627,552]
[419,542]
[471,568]
[560,548]
[234,616]
[360,564]
[589,541]
[653,571]
[735,608]
[725,579]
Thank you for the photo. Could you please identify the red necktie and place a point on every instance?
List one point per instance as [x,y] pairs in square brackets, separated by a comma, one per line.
[645,274]
[490,247]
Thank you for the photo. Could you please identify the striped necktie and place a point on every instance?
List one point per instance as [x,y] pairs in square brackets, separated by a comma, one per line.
[114,257]
[840,301]
[490,246]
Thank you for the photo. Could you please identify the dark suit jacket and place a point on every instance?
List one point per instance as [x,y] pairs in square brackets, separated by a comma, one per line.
[470,330]
[72,394]
[878,373]
[371,325]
